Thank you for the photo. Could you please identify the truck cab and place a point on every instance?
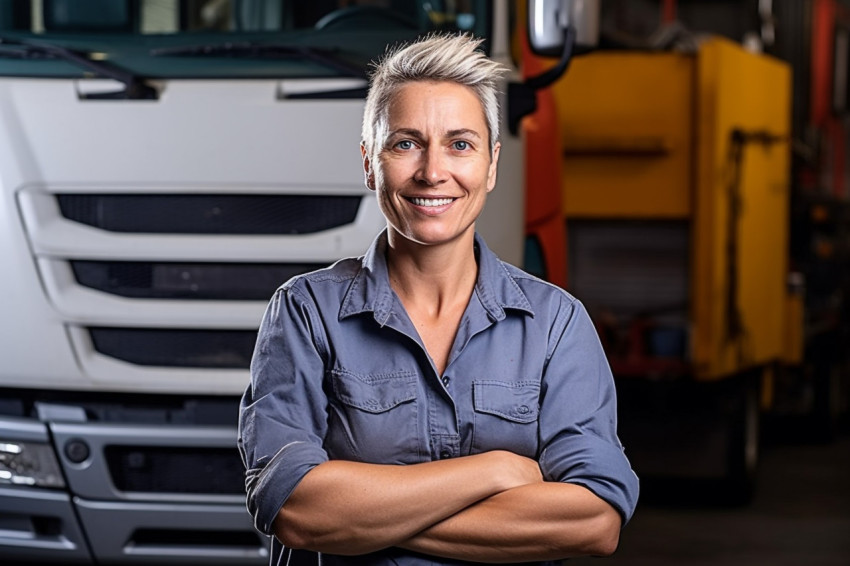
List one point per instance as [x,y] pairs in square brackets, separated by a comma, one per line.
[164,166]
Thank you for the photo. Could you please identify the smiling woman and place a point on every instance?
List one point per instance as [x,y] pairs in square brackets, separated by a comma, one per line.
[427,402]
[434,171]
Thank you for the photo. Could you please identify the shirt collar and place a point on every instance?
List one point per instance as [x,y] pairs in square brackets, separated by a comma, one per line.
[370,289]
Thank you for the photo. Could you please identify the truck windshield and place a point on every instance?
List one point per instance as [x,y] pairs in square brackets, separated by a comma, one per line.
[217,38]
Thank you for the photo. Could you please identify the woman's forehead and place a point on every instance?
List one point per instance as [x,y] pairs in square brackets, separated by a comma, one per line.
[446,104]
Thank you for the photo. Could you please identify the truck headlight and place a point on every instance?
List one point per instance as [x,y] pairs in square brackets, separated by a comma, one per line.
[29,463]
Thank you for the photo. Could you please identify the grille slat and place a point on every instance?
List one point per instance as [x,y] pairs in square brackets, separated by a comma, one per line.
[225,349]
[199,281]
[210,214]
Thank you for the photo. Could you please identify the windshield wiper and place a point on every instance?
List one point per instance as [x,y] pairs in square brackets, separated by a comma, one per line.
[134,87]
[249,49]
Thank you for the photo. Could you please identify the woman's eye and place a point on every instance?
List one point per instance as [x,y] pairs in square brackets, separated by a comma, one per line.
[461,145]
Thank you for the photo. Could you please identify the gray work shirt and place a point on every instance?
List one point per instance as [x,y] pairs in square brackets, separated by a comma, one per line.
[339,372]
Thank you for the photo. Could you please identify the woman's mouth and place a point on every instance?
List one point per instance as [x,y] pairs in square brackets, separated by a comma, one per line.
[430,202]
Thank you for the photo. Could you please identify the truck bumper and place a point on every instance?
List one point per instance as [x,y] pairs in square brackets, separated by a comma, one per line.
[144,533]
[40,525]
[93,521]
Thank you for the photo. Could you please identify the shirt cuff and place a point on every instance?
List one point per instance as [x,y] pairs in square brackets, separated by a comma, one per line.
[596,464]
[269,487]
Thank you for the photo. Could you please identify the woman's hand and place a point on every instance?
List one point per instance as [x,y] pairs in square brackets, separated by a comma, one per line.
[511,469]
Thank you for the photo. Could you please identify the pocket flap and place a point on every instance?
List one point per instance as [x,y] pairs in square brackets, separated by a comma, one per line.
[374,393]
[515,401]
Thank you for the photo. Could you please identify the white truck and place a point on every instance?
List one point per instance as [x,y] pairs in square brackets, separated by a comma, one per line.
[164,166]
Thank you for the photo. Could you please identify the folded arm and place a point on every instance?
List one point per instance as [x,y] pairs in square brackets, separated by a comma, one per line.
[541,521]
[353,508]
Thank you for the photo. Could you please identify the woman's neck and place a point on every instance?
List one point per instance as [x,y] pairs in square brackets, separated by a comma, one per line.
[434,283]
[431,279]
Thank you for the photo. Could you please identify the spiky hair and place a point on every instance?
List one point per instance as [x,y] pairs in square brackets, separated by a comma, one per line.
[436,57]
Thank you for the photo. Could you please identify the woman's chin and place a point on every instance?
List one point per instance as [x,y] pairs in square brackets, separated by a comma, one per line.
[435,237]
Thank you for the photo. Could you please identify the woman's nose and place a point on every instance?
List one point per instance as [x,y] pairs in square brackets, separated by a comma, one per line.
[433,167]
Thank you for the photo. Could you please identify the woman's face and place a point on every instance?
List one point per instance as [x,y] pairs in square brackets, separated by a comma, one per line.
[433,171]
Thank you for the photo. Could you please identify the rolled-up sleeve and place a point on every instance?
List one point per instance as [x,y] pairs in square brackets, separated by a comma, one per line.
[578,415]
[283,414]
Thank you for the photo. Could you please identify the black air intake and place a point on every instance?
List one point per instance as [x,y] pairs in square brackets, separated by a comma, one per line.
[159,469]
[210,214]
[228,349]
[170,280]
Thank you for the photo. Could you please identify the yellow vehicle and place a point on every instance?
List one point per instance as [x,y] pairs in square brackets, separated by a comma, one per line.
[676,191]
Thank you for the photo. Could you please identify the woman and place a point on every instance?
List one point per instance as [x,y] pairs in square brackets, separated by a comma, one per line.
[426,403]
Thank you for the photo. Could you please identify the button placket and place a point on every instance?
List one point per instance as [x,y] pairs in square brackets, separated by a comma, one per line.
[446,446]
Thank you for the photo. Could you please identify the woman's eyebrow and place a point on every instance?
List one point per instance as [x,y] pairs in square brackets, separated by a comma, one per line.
[411,132]
[462,132]
[416,134]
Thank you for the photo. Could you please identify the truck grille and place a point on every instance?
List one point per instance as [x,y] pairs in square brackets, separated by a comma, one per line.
[210,214]
[123,268]
[170,280]
[226,349]
[159,469]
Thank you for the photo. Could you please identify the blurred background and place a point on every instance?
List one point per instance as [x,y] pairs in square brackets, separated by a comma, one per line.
[682,167]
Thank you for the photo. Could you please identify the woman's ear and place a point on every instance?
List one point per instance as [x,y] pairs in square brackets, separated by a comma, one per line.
[494,165]
[367,168]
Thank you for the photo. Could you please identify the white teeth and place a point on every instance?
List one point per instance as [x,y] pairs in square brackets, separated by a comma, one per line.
[430,201]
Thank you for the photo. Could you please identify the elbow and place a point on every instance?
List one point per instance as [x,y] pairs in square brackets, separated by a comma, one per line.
[606,546]
[605,536]
[299,533]
[332,539]
[291,534]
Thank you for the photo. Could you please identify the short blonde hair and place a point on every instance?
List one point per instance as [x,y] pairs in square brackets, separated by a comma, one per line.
[436,57]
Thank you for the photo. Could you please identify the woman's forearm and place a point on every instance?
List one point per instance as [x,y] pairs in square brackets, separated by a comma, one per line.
[351,508]
[542,521]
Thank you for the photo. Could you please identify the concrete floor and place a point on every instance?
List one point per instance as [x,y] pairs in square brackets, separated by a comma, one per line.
[800,514]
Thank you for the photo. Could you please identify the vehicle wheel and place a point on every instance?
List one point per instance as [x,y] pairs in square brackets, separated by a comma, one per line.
[743,441]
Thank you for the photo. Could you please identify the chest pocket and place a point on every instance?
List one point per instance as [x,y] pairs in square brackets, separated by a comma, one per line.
[505,416]
[373,418]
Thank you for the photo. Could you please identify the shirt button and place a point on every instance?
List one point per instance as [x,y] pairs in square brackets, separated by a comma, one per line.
[445,454]
[523,409]
[446,381]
